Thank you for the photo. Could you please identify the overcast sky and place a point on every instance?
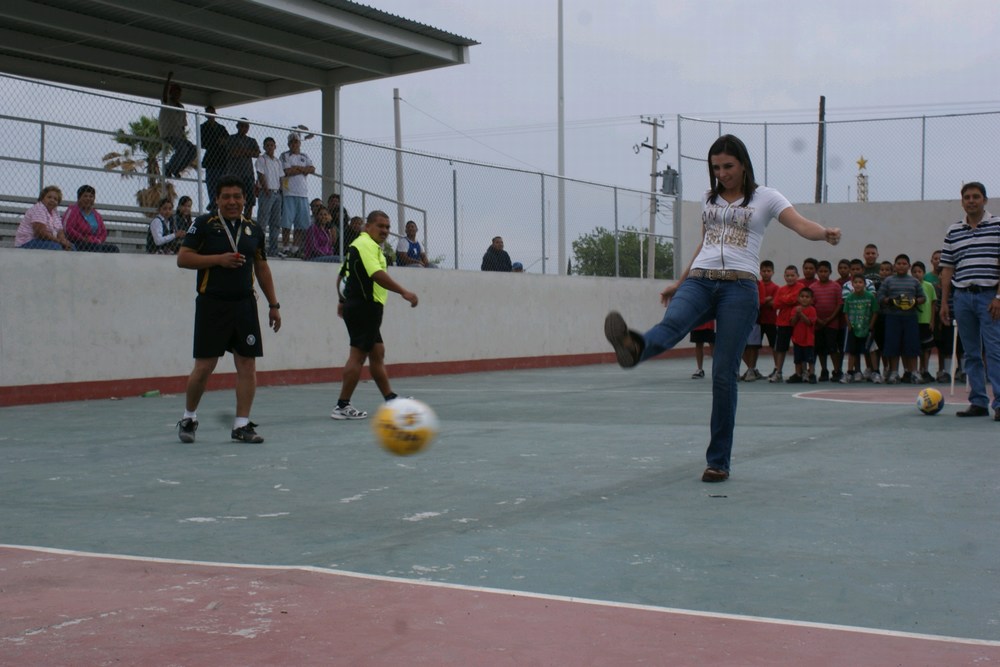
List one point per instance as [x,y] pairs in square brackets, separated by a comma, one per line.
[764,60]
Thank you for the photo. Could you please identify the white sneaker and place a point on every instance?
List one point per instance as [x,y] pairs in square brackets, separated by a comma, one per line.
[892,378]
[845,378]
[876,378]
[348,412]
[775,377]
[859,377]
[867,375]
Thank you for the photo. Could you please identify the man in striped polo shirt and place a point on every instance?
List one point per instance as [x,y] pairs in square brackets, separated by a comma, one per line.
[970,270]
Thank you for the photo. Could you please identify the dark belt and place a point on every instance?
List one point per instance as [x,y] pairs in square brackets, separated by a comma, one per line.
[976,289]
[721,274]
[271,192]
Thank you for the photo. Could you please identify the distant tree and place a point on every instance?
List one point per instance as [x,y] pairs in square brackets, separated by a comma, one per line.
[141,155]
[595,254]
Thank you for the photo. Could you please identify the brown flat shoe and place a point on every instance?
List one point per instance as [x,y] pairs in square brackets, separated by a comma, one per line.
[627,349]
[714,475]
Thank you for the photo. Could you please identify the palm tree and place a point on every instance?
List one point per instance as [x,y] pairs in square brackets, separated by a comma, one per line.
[140,156]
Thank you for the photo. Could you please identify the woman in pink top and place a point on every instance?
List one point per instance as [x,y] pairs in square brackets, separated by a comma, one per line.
[41,227]
[84,225]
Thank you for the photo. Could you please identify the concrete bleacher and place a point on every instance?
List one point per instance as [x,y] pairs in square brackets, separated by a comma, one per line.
[126,225]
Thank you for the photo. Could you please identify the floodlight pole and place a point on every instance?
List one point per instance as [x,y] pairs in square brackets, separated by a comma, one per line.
[400,209]
[561,225]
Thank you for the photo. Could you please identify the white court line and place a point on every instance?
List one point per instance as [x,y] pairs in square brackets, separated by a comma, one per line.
[806,395]
[514,593]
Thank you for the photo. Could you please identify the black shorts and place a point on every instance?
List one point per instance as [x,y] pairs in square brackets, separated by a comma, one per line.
[783,340]
[768,332]
[827,340]
[226,326]
[364,322]
[856,344]
[804,354]
[703,336]
[926,336]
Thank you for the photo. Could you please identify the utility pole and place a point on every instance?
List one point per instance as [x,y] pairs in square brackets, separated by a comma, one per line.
[656,150]
[820,148]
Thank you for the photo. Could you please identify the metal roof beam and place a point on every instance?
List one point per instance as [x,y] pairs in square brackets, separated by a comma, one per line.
[174,49]
[268,38]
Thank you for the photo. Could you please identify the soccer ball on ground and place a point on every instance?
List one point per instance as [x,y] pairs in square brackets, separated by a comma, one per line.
[930,401]
[405,426]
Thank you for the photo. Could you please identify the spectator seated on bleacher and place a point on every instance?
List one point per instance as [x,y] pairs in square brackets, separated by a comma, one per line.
[84,224]
[409,252]
[163,238]
[321,238]
[41,227]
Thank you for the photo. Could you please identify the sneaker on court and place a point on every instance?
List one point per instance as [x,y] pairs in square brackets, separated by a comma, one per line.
[794,378]
[746,377]
[697,375]
[836,376]
[775,377]
[348,412]
[907,378]
[892,378]
[859,377]
[751,375]
[867,375]
[247,434]
[846,378]
[876,378]
[812,378]
[824,376]
[959,375]
[757,375]
[186,428]
[772,374]
[943,376]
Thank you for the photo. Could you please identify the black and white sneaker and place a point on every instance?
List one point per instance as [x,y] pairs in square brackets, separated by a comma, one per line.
[186,428]
[247,434]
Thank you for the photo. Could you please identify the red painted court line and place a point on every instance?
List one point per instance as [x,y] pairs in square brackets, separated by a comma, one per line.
[68,608]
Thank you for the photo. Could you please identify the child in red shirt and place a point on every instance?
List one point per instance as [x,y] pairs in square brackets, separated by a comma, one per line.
[804,336]
[784,303]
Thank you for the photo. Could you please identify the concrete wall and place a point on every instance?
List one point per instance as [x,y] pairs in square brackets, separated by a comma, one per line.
[80,325]
[915,228]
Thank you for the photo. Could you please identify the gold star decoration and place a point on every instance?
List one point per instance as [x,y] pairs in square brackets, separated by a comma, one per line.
[862,163]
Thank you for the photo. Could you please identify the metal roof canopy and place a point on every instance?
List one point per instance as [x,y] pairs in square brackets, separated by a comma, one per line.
[222,53]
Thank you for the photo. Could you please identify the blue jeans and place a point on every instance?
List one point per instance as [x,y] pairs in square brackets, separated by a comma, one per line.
[40,244]
[269,218]
[184,152]
[733,304]
[979,332]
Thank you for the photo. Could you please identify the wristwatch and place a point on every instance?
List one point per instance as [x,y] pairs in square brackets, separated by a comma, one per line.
[276,306]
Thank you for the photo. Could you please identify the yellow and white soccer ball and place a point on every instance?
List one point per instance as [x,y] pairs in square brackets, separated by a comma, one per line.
[930,401]
[405,426]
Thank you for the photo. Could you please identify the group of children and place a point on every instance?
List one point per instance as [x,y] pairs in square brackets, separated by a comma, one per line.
[883,314]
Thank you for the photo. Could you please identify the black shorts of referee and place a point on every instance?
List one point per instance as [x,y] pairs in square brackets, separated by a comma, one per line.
[222,326]
[364,323]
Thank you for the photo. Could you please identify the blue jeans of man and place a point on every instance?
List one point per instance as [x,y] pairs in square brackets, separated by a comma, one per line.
[979,333]
[212,177]
[269,218]
[184,152]
[733,304]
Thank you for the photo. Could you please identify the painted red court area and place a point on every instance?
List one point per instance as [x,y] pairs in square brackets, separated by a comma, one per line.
[64,608]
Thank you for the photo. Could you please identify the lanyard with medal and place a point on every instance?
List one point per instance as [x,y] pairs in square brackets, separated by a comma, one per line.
[234,243]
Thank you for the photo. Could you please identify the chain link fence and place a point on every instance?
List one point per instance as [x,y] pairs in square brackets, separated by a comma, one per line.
[69,137]
[906,159]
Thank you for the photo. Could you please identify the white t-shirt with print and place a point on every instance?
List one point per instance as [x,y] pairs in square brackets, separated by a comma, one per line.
[733,233]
